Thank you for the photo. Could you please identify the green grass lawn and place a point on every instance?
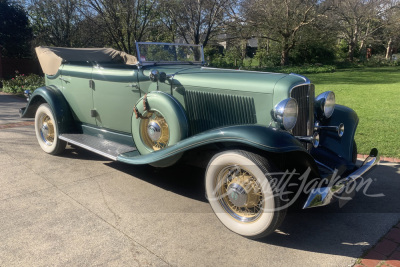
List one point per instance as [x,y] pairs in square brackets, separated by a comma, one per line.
[374,93]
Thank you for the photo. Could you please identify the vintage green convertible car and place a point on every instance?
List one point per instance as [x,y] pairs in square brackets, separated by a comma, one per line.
[267,140]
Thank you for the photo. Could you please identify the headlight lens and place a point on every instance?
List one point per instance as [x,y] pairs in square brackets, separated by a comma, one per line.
[285,113]
[325,104]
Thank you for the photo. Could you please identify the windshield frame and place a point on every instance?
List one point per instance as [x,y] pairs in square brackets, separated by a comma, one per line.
[144,63]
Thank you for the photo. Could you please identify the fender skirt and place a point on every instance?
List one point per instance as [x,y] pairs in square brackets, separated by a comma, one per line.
[58,104]
[261,137]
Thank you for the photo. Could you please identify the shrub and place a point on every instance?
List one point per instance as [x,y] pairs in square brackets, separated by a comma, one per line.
[381,61]
[20,83]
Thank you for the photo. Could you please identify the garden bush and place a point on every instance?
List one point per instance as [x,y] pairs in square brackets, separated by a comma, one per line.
[21,82]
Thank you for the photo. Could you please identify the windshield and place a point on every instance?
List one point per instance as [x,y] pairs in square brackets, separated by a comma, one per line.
[152,53]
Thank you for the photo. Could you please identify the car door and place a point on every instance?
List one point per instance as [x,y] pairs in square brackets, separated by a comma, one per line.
[76,89]
[115,93]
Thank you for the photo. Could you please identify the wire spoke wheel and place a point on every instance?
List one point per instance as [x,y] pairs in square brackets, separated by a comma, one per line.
[154,131]
[239,193]
[47,132]
[239,189]
[46,129]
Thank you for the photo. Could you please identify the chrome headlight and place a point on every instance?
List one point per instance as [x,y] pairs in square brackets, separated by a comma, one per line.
[285,113]
[325,104]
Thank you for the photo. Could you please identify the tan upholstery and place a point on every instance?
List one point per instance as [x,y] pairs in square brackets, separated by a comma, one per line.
[51,58]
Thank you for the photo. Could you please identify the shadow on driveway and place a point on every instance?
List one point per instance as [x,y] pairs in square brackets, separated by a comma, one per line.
[346,231]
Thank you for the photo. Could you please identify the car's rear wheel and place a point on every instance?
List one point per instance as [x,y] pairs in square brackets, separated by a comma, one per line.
[47,131]
[239,189]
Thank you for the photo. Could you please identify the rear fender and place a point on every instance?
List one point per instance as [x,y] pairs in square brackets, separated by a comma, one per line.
[58,104]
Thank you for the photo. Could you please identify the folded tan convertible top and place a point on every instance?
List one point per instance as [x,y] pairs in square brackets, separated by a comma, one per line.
[51,58]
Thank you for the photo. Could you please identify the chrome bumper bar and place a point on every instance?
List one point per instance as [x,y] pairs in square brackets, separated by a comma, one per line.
[325,195]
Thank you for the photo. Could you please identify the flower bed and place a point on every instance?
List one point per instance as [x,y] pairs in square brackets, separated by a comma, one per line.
[22,82]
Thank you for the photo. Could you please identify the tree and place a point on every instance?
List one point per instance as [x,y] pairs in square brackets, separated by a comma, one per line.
[282,21]
[56,23]
[15,32]
[391,31]
[123,21]
[359,20]
[196,21]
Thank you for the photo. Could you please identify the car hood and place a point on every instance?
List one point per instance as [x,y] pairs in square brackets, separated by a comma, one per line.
[238,80]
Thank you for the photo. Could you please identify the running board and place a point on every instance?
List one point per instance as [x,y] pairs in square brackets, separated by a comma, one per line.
[106,148]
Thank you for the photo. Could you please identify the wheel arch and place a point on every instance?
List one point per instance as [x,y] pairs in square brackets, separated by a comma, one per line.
[58,104]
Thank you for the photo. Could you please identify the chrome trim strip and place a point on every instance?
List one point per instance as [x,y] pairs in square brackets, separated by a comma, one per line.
[302,84]
[87,147]
[211,68]
[326,195]
[104,130]
[306,80]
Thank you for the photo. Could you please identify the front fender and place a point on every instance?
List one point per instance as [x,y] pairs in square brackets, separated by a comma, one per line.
[58,104]
[342,146]
[257,136]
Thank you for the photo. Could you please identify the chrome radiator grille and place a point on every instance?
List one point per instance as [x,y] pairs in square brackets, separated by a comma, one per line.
[304,95]
[210,110]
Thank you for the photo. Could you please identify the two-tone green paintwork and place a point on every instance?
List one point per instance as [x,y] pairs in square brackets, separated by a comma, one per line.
[267,89]
[260,137]
[111,91]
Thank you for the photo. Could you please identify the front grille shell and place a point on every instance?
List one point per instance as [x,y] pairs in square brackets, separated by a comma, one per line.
[304,95]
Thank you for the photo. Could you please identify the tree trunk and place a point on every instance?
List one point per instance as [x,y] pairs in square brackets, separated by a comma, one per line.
[350,53]
[285,51]
[285,57]
[389,49]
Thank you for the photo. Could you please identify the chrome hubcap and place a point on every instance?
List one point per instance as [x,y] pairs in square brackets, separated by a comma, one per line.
[154,131]
[46,128]
[239,193]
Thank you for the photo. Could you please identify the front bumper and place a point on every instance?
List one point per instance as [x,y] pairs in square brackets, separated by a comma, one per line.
[343,189]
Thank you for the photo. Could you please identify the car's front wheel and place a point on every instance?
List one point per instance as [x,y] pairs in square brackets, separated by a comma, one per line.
[240,190]
[47,131]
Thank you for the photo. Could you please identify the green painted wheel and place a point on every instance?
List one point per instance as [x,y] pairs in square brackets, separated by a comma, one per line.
[163,124]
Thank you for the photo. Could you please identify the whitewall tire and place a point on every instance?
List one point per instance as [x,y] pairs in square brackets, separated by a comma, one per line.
[47,131]
[239,189]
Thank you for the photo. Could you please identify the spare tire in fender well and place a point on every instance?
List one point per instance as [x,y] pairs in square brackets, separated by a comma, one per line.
[171,119]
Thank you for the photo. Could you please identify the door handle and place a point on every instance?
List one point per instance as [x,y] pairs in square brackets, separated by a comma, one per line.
[133,85]
[64,80]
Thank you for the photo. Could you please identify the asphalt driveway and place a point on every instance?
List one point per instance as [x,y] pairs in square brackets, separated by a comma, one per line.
[80,209]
